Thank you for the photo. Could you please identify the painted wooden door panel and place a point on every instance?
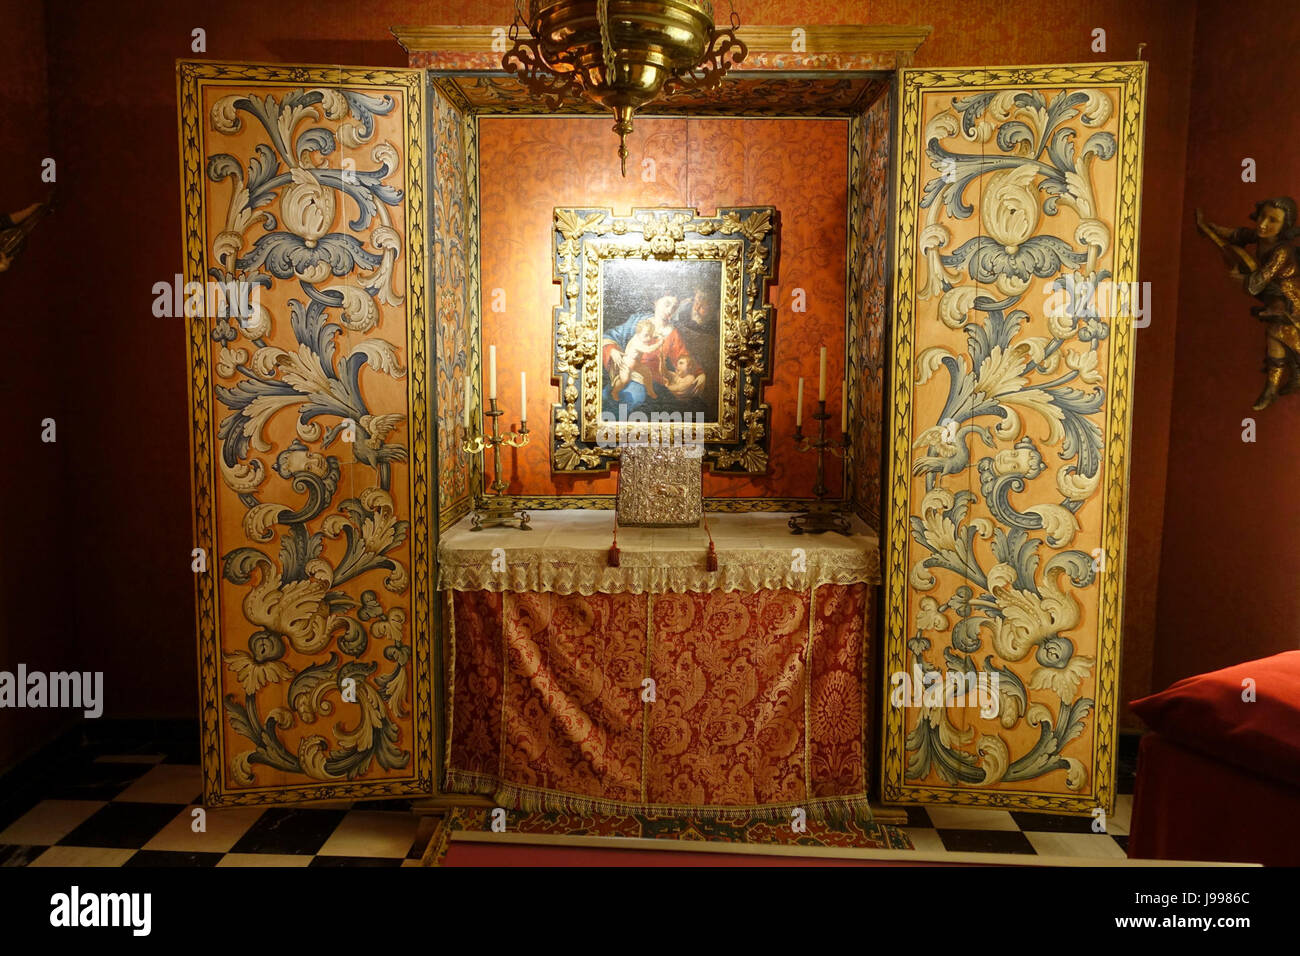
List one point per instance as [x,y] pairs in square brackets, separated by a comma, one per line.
[1017,200]
[303,191]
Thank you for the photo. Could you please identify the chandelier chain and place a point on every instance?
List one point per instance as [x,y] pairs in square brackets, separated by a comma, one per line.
[606,42]
[517,22]
[670,46]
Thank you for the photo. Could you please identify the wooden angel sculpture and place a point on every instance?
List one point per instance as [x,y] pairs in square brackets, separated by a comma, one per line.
[16,227]
[1271,275]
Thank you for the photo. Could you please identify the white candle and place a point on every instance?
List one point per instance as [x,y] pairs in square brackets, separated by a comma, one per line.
[798,409]
[523,397]
[844,409]
[492,371]
[821,387]
[468,393]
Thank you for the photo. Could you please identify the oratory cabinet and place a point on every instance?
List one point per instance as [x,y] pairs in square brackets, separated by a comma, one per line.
[412,249]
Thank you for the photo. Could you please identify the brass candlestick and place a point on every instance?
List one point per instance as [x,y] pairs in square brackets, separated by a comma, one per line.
[818,520]
[495,509]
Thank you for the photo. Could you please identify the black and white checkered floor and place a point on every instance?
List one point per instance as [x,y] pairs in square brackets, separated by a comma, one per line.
[130,800]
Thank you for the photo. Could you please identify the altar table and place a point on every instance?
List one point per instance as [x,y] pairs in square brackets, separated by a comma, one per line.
[658,686]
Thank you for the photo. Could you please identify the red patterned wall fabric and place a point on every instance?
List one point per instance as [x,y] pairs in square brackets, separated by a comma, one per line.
[756,707]
[529,166]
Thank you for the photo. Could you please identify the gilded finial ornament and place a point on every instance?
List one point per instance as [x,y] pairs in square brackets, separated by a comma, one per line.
[622,54]
[1271,275]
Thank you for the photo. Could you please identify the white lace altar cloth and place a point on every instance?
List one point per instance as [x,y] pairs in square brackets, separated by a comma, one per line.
[567,552]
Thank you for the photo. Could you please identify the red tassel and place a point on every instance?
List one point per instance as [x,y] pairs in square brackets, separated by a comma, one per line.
[613,544]
[712,561]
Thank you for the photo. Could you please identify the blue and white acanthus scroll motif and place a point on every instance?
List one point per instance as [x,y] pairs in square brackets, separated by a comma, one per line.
[1024,407]
[313,370]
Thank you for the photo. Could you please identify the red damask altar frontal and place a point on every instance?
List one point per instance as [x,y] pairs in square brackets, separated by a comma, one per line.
[716,702]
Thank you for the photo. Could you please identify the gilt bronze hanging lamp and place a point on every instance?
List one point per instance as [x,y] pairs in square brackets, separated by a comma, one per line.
[623,54]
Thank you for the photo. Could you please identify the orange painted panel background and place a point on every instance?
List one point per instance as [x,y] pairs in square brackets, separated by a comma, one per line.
[530,165]
[307,433]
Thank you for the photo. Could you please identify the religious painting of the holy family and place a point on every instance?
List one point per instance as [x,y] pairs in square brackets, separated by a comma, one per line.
[663,322]
[660,351]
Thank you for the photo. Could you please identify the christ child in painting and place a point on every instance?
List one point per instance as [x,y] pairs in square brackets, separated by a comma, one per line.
[644,382]
[635,367]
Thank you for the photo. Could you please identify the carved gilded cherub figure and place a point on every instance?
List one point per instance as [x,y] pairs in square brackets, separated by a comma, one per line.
[1271,275]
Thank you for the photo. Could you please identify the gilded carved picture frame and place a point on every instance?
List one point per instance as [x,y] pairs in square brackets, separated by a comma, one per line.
[663,323]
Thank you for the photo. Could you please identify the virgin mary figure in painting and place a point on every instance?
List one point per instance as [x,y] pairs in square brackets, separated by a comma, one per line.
[647,366]
[1273,277]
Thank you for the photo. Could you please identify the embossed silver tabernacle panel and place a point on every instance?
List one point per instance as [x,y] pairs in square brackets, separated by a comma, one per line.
[659,485]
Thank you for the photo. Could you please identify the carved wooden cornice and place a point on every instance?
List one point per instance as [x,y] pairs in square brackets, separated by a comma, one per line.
[426,43]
